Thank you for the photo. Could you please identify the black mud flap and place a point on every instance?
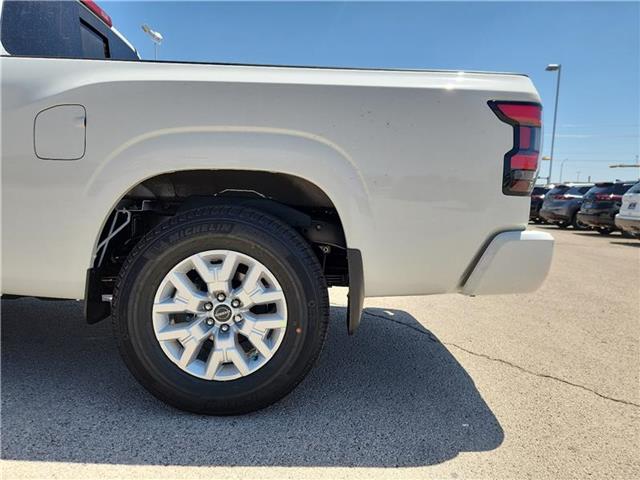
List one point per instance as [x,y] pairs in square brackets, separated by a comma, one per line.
[356,290]
[95,309]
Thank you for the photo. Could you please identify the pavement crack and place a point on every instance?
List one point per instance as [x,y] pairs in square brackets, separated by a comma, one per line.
[542,375]
[422,330]
[431,337]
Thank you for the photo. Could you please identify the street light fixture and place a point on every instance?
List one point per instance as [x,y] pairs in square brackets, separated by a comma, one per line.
[155,37]
[627,165]
[553,67]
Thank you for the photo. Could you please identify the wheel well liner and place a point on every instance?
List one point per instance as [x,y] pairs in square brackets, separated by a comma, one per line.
[295,200]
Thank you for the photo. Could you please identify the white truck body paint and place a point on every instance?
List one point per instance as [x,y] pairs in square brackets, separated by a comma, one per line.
[412,160]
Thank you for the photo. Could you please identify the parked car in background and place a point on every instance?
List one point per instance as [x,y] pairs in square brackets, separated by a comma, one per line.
[537,197]
[562,203]
[628,219]
[601,204]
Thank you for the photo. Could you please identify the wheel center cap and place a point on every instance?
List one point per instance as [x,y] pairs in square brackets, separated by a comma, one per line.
[222,313]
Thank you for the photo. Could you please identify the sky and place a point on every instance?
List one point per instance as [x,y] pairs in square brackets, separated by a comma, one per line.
[597,43]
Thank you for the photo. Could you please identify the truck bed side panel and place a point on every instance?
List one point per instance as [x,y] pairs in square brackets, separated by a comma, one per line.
[411,160]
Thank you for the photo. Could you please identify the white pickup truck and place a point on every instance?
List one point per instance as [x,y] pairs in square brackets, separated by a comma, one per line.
[206,208]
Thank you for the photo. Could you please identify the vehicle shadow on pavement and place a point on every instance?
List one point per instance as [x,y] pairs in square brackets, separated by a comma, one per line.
[629,243]
[594,234]
[392,395]
[546,226]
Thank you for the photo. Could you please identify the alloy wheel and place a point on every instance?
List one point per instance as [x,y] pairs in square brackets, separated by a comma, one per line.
[219,315]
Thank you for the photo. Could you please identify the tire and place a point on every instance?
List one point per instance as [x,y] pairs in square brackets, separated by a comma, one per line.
[252,235]
[576,224]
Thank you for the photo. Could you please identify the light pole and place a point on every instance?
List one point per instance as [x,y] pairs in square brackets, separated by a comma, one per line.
[552,67]
[561,168]
[155,37]
[546,158]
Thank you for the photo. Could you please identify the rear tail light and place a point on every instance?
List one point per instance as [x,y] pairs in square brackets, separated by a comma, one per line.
[97,11]
[568,197]
[521,162]
[608,197]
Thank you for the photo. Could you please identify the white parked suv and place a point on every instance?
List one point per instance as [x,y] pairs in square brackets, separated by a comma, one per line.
[206,208]
[628,218]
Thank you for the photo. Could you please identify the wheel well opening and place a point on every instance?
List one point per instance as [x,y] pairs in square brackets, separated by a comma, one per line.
[296,201]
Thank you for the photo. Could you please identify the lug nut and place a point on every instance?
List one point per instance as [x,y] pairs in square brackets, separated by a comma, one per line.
[237,318]
[235,303]
[208,306]
[210,321]
[221,297]
[224,327]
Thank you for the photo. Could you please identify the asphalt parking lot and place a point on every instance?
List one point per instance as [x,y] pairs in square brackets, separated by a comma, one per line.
[530,386]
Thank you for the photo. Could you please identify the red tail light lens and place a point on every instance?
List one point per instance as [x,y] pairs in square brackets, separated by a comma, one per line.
[608,197]
[521,162]
[97,11]
[564,197]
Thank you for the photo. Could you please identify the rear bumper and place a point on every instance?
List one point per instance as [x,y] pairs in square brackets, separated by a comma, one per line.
[628,224]
[555,216]
[597,220]
[513,262]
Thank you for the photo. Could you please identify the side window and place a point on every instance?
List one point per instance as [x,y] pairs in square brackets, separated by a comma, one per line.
[98,40]
[94,45]
[584,190]
[621,188]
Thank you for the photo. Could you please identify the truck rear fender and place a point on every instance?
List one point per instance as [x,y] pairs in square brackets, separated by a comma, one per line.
[303,155]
